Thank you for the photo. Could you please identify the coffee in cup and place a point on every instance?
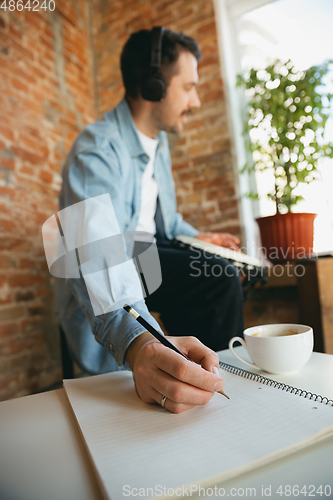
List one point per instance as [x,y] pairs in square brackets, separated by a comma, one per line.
[276,349]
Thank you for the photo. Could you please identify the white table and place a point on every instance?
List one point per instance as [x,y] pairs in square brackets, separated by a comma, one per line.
[42,455]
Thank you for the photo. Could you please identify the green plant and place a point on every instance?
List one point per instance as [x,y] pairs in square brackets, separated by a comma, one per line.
[287,113]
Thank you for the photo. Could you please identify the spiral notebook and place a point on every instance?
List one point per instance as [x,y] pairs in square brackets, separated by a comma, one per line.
[135,445]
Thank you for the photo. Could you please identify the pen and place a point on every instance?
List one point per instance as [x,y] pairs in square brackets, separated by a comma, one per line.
[158,335]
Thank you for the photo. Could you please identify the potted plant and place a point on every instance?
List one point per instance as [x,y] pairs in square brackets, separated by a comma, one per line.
[287,113]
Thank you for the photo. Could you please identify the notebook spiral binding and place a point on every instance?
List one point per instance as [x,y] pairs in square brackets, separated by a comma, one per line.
[273,383]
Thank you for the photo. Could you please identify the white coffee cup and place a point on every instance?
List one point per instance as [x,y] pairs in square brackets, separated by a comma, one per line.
[276,349]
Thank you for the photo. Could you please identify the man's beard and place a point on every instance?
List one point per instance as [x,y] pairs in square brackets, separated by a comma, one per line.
[176,129]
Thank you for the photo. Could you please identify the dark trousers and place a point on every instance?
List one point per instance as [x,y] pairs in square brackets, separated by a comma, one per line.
[200,295]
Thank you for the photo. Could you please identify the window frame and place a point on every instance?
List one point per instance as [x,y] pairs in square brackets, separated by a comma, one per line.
[227,13]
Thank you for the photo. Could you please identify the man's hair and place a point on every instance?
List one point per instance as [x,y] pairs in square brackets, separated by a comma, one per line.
[136,56]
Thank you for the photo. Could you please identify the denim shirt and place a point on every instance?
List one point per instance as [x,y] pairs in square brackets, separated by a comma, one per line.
[108,157]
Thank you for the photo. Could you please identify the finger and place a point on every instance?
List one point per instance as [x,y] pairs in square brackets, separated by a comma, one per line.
[232,237]
[181,369]
[235,239]
[197,351]
[145,392]
[170,405]
[201,354]
[231,243]
[176,407]
[234,247]
[180,392]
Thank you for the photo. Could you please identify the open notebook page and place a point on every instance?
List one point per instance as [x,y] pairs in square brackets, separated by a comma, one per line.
[142,446]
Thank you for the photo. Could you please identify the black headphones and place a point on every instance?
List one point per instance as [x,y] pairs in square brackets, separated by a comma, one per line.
[153,87]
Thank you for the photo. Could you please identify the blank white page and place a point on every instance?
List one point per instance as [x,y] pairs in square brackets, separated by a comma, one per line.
[135,445]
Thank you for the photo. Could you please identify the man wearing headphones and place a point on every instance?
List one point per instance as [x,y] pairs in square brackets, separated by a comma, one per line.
[126,155]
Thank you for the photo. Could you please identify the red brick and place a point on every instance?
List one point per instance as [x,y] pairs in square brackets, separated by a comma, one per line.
[207,183]
[44,292]
[7,163]
[214,95]
[207,39]
[207,28]
[6,132]
[221,145]
[222,192]
[5,191]
[195,124]
[24,295]
[21,51]
[29,325]
[8,313]
[7,262]
[214,160]
[21,345]
[15,244]
[22,280]
[7,225]
[3,280]
[46,176]
[194,198]
[25,76]
[27,170]
[205,135]
[17,84]
[208,61]
[27,263]
[26,155]
[197,149]
[180,166]
[37,310]
[4,208]
[227,205]
[34,186]
[182,141]
[6,298]
[10,329]
[191,175]
[30,141]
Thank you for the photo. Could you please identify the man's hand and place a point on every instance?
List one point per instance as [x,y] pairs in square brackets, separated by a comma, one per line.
[159,371]
[226,240]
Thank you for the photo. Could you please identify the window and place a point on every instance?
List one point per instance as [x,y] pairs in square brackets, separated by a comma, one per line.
[252,34]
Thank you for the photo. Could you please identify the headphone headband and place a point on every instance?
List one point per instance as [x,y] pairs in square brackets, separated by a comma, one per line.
[156,47]
[153,87]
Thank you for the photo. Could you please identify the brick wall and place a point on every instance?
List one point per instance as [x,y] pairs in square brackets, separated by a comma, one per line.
[202,163]
[56,69]
[46,98]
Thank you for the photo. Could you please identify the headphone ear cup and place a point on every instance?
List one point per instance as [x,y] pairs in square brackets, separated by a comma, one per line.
[153,88]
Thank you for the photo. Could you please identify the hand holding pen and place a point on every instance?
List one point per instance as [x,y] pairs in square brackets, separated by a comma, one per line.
[165,377]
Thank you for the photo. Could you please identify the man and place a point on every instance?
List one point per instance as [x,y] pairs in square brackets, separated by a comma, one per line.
[126,155]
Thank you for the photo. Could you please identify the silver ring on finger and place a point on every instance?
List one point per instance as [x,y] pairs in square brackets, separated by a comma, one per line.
[164,398]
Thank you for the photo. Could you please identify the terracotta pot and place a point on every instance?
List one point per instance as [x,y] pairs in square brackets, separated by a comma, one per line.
[288,236]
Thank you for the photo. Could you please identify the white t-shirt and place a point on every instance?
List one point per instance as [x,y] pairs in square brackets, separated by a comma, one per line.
[149,189]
